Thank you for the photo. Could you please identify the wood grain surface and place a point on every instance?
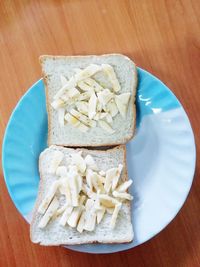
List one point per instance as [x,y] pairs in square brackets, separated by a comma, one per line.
[162,37]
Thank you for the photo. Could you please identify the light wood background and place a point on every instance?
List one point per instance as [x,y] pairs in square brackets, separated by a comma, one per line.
[162,37]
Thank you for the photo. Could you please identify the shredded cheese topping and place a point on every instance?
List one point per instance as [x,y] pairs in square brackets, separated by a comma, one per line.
[89,193]
[84,103]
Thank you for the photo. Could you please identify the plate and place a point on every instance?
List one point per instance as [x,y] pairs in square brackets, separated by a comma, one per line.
[161,158]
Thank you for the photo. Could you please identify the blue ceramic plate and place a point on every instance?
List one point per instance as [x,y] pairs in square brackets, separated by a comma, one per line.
[161,158]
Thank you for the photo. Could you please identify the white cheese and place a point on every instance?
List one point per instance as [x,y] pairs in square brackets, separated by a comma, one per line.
[78,161]
[61,210]
[122,195]
[101,178]
[124,186]
[108,69]
[94,181]
[73,172]
[84,86]
[92,106]
[100,214]
[46,201]
[61,171]
[90,162]
[109,118]
[58,103]
[90,216]
[94,85]
[85,96]
[97,205]
[88,191]
[114,215]
[84,119]
[117,176]
[122,103]
[79,182]
[87,72]
[68,194]
[96,117]
[76,123]
[107,201]
[65,98]
[81,222]
[82,107]
[62,185]
[49,213]
[105,96]
[89,106]
[102,173]
[71,84]
[74,216]
[97,183]
[65,216]
[99,107]
[112,178]
[112,108]
[103,115]
[74,190]
[72,120]
[90,221]
[64,189]
[73,93]
[89,174]
[57,157]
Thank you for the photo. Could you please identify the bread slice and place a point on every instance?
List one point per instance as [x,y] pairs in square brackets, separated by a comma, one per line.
[53,233]
[125,69]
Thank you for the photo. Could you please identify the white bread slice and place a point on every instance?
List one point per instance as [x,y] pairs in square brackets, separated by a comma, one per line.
[53,233]
[54,66]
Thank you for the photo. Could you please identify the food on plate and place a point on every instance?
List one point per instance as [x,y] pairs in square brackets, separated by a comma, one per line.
[83,197]
[90,99]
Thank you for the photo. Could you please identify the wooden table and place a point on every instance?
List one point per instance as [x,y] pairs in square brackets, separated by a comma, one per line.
[162,37]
